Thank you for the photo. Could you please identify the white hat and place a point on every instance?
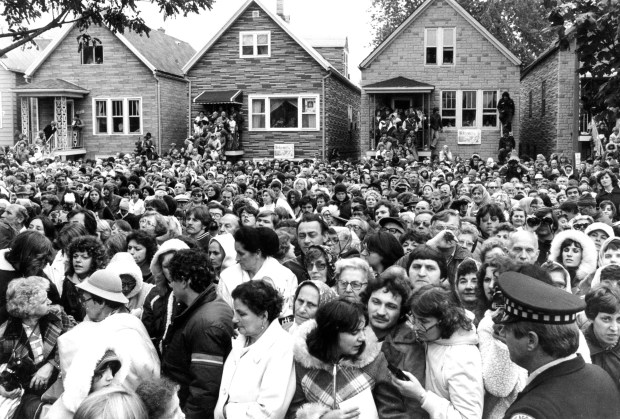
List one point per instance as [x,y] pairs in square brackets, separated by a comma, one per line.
[104,284]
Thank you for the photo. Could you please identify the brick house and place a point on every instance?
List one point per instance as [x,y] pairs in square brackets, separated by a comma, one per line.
[292,96]
[551,90]
[121,88]
[13,65]
[440,56]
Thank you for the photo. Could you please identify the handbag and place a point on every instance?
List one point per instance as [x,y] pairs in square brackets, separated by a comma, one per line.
[9,406]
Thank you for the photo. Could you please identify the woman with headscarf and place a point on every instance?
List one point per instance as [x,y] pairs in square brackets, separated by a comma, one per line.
[309,297]
[480,198]
[136,291]
[530,205]
[222,253]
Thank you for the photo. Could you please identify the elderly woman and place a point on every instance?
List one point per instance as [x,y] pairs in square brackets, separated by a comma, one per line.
[142,246]
[28,341]
[156,224]
[480,198]
[341,371]
[352,276]
[259,375]
[454,386]
[29,253]
[256,248]
[309,297]
[86,255]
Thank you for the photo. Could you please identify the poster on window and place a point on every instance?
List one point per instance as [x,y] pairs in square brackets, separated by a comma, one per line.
[469,136]
[309,105]
[284,151]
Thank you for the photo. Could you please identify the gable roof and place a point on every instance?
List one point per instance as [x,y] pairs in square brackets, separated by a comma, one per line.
[283,25]
[19,59]
[159,52]
[417,12]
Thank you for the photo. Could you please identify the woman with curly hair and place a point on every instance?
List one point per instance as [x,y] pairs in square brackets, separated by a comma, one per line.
[85,255]
[454,384]
[29,336]
[293,197]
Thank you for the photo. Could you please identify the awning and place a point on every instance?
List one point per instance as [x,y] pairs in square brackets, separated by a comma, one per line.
[217,97]
[51,88]
[399,85]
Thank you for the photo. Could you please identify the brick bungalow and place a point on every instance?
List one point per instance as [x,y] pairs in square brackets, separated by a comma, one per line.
[13,65]
[552,120]
[292,96]
[440,56]
[121,88]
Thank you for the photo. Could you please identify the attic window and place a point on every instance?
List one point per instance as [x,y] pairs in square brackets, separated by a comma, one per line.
[440,46]
[255,44]
[92,54]
[255,13]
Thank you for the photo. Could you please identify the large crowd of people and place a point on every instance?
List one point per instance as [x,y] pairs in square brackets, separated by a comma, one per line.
[144,287]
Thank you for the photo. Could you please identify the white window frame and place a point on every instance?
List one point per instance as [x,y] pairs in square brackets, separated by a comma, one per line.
[479,109]
[439,46]
[255,35]
[299,97]
[94,47]
[109,117]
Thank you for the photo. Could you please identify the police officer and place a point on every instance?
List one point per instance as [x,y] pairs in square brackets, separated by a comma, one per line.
[539,329]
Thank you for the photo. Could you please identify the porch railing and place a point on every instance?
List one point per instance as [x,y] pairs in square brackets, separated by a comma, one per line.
[74,140]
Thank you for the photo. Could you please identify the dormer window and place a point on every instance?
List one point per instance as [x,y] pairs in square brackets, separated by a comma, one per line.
[92,54]
[255,44]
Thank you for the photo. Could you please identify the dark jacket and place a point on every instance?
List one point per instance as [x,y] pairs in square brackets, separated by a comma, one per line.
[571,389]
[297,267]
[194,350]
[343,206]
[155,314]
[607,359]
[402,350]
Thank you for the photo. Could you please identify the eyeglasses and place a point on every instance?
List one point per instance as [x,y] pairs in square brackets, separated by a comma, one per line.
[453,229]
[84,300]
[320,266]
[580,226]
[355,285]
[392,230]
[422,223]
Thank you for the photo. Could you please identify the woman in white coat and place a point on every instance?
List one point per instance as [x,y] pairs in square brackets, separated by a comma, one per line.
[454,387]
[255,249]
[259,374]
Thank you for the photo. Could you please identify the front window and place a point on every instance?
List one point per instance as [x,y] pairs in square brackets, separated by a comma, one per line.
[489,112]
[117,116]
[92,54]
[255,44]
[281,113]
[469,109]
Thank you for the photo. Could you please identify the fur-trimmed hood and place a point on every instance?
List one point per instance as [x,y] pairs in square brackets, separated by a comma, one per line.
[588,256]
[171,245]
[303,356]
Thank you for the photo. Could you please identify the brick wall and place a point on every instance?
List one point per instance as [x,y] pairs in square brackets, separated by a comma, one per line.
[479,65]
[289,70]
[174,109]
[342,134]
[121,75]
[335,57]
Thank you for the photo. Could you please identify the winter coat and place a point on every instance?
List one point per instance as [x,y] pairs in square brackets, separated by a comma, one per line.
[118,327]
[588,254]
[502,378]
[160,305]
[78,379]
[606,358]
[258,380]
[344,207]
[283,279]
[454,377]
[194,349]
[315,395]
[402,350]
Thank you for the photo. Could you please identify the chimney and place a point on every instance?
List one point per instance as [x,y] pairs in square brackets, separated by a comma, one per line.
[162,30]
[280,11]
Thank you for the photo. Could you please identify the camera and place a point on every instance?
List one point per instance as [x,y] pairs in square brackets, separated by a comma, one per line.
[533,221]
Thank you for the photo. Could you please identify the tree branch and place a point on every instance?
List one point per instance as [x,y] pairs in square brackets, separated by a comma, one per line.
[33,33]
